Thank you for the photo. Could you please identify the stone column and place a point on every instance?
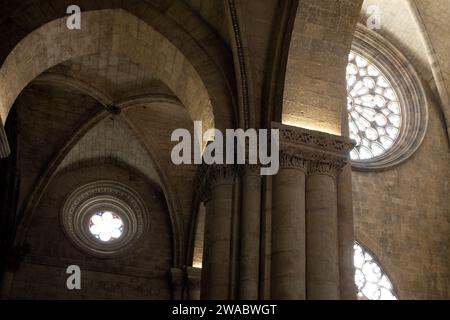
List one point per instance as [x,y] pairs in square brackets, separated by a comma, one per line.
[217,267]
[305,214]
[193,282]
[346,234]
[322,249]
[288,229]
[250,228]
[206,243]
[4,145]
[345,225]
[178,283]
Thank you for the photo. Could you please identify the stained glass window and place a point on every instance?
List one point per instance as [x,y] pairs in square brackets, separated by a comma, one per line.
[106,226]
[370,279]
[374,110]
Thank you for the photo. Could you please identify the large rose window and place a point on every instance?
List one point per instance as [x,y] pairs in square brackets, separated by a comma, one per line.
[374,111]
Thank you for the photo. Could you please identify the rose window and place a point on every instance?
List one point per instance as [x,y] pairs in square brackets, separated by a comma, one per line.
[106,226]
[374,110]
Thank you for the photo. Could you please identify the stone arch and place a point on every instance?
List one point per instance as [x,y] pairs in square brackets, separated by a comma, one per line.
[314,86]
[434,62]
[123,34]
[159,178]
[106,30]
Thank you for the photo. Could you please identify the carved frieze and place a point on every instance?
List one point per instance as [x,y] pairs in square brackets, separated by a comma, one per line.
[312,151]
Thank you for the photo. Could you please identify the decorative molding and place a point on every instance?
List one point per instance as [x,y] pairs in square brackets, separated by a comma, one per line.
[293,160]
[411,93]
[210,176]
[241,61]
[312,151]
[85,201]
[324,168]
[320,141]
[435,64]
[5,151]
[278,59]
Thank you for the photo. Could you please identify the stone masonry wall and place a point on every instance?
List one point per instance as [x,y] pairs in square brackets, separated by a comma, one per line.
[141,274]
[402,216]
[315,87]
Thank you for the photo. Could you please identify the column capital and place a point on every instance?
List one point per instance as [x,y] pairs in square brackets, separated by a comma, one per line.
[210,176]
[320,152]
[293,159]
[317,167]
[221,174]
[249,170]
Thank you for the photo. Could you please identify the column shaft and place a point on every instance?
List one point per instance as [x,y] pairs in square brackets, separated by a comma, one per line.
[288,235]
[324,155]
[217,267]
[346,235]
[322,245]
[250,235]
[206,249]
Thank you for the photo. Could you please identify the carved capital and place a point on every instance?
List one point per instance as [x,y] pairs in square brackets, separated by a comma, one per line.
[221,174]
[315,140]
[249,170]
[316,152]
[209,176]
[201,185]
[317,167]
[291,159]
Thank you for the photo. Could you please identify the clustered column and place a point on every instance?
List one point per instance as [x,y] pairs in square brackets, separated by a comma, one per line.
[305,234]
